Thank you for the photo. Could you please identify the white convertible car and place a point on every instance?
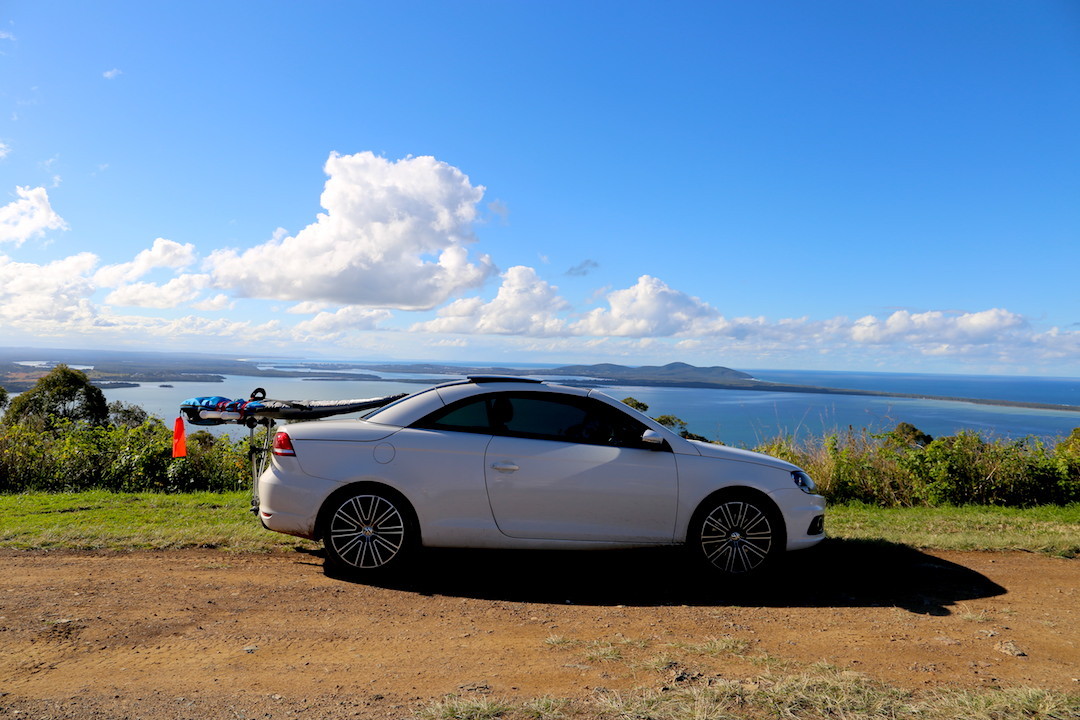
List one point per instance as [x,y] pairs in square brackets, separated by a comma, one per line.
[498,462]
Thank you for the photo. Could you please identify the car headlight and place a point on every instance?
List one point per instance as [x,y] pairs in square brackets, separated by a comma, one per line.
[804,482]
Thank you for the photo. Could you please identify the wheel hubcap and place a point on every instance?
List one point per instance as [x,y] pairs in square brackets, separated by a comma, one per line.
[367,531]
[736,537]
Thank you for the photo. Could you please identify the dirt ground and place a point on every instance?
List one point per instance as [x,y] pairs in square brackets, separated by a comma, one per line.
[211,634]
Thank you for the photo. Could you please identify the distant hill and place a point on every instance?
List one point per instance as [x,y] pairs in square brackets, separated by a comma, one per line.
[120,368]
[672,373]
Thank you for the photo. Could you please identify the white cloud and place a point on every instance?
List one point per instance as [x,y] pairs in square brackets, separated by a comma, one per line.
[179,290]
[42,297]
[394,234]
[937,328]
[649,308]
[163,254]
[328,326]
[214,304]
[306,308]
[524,305]
[5,150]
[112,74]
[29,216]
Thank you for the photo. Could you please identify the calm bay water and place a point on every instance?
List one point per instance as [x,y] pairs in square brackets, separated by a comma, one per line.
[738,417]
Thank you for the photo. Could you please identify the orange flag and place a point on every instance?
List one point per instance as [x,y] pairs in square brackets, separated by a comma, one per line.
[179,442]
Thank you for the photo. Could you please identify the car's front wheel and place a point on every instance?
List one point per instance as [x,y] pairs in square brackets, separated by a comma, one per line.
[737,533]
[369,531]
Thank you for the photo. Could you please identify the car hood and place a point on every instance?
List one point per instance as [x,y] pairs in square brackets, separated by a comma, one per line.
[729,453]
[339,431]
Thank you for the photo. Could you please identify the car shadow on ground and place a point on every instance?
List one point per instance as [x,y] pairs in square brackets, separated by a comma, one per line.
[836,573]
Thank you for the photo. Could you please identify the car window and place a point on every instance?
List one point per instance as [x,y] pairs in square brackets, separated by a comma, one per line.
[469,415]
[579,420]
[541,416]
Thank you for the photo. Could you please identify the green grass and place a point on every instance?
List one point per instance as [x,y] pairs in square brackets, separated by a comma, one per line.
[1051,529]
[107,520]
[96,520]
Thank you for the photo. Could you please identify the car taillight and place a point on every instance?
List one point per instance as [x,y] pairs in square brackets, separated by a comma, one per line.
[283,445]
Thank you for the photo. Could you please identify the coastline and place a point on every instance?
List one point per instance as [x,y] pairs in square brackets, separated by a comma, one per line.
[111,370]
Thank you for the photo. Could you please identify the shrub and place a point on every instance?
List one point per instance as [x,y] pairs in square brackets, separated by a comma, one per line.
[76,456]
[906,467]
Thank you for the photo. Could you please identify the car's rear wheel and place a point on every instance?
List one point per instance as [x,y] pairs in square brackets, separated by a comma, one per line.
[369,531]
[737,533]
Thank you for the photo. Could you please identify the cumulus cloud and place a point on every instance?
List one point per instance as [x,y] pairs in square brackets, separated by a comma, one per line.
[332,325]
[649,308]
[937,327]
[29,216]
[524,305]
[41,297]
[179,290]
[112,74]
[394,234]
[214,304]
[306,308]
[162,254]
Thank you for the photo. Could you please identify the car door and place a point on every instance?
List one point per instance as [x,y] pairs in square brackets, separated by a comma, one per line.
[573,468]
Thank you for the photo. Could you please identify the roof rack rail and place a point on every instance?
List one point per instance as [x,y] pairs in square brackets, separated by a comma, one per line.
[501,378]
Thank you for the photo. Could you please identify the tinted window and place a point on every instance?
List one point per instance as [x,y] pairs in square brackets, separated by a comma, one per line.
[541,416]
[570,419]
[469,415]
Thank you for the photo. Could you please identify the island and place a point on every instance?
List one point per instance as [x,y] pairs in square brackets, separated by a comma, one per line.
[20,367]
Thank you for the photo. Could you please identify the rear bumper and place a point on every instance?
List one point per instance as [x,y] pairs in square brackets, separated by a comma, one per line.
[291,507]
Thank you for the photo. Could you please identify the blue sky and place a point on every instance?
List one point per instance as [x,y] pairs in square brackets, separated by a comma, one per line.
[833,185]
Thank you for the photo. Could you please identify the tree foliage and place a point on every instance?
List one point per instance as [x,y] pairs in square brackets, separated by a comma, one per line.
[636,404]
[63,395]
[669,421]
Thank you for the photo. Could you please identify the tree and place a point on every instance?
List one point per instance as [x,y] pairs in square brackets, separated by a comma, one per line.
[3,398]
[62,394]
[907,435]
[668,421]
[126,414]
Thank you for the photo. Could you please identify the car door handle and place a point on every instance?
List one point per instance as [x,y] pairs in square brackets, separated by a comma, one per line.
[504,467]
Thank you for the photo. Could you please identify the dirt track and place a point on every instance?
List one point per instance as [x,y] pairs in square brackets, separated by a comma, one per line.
[208,634]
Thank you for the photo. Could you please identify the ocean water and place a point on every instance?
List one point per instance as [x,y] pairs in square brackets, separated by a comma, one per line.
[736,417]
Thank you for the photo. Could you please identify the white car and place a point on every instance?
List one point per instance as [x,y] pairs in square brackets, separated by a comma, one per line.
[497,462]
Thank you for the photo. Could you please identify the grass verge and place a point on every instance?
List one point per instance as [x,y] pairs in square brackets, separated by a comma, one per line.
[121,521]
[1051,529]
[102,520]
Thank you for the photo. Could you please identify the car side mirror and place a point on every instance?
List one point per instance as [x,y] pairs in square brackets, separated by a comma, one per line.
[653,439]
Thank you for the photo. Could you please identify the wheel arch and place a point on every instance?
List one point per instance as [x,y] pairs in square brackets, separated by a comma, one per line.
[358,488]
[732,492]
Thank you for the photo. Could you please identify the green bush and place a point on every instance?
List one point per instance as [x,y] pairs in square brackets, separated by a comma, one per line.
[904,468]
[78,456]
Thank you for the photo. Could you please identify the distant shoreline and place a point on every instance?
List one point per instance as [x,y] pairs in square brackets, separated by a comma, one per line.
[111,370]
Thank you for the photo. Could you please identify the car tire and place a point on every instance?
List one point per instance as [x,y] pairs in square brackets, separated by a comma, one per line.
[737,533]
[371,531]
